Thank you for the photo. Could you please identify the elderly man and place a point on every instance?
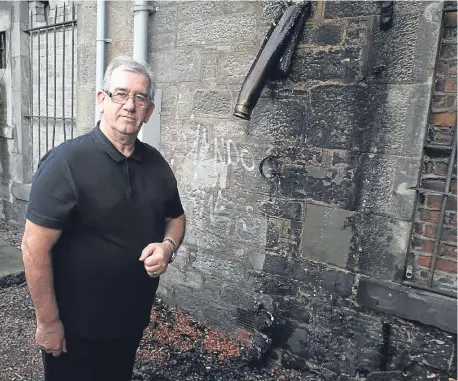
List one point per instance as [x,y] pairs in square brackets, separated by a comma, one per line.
[103,223]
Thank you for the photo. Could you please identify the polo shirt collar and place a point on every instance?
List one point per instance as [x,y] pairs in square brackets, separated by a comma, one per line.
[111,150]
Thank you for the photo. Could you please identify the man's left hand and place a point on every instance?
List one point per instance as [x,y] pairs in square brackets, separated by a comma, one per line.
[156,257]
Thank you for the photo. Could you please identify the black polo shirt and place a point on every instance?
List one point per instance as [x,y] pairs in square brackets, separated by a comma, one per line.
[109,207]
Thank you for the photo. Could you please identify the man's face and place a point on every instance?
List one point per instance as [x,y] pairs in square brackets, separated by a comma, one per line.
[127,118]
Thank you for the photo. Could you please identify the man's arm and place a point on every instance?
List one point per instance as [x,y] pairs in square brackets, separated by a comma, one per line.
[36,250]
[175,229]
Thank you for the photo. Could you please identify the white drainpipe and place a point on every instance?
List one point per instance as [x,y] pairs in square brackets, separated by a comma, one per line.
[100,53]
[140,48]
[150,132]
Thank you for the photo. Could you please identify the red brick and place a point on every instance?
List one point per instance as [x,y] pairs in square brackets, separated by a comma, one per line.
[429,215]
[440,168]
[449,235]
[452,219]
[451,203]
[440,84]
[448,51]
[434,184]
[442,264]
[418,228]
[445,119]
[450,85]
[443,102]
[448,251]
[450,19]
[424,261]
[434,201]
[430,230]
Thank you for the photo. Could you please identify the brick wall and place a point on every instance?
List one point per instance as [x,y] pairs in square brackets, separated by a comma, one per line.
[440,136]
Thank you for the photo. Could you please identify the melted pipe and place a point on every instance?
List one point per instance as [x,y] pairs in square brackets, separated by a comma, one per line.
[267,60]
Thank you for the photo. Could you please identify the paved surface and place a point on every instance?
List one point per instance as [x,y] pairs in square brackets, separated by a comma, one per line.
[10,259]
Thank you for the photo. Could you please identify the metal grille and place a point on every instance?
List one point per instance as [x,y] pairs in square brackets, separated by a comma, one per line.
[245,319]
[52,79]
[445,154]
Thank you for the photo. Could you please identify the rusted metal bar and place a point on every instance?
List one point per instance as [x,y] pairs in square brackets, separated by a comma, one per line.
[73,68]
[64,8]
[439,147]
[47,90]
[52,26]
[31,111]
[55,79]
[434,192]
[39,95]
[426,288]
[442,214]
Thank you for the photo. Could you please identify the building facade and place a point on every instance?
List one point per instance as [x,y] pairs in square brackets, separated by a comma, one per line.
[333,210]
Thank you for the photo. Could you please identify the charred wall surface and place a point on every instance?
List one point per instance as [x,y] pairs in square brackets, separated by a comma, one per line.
[320,240]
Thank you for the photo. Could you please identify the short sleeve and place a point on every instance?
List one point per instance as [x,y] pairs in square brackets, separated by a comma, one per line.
[52,196]
[173,208]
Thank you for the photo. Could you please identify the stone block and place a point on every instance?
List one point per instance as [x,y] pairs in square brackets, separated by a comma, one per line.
[85,100]
[320,181]
[330,33]
[87,22]
[120,22]
[212,102]
[406,52]
[223,30]
[234,65]
[279,120]
[326,236]
[382,119]
[179,65]
[384,185]
[420,306]
[336,63]
[341,9]
[20,191]
[282,208]
[164,19]
[199,10]
[378,245]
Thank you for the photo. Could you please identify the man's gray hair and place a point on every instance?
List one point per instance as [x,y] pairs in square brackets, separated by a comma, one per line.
[129,64]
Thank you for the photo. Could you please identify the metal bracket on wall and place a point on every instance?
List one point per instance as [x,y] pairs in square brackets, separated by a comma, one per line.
[386,14]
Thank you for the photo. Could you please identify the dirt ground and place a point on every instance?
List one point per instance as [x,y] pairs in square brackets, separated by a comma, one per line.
[174,347]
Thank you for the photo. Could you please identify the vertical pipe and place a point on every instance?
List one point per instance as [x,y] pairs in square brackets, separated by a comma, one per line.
[141,14]
[64,8]
[73,68]
[31,83]
[100,54]
[39,94]
[47,90]
[55,80]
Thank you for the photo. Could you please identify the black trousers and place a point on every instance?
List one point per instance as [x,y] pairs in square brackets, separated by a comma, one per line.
[93,360]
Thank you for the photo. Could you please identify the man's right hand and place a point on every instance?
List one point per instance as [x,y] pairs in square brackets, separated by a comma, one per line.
[50,338]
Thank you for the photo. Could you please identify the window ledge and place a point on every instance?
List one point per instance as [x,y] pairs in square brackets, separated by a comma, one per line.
[6,132]
[21,191]
[409,303]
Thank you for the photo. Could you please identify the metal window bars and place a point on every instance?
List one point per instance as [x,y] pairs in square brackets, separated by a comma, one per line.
[52,118]
[446,194]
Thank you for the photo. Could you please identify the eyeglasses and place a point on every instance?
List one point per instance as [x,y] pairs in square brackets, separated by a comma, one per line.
[122,98]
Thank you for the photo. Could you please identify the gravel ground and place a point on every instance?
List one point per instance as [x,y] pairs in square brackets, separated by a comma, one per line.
[174,347]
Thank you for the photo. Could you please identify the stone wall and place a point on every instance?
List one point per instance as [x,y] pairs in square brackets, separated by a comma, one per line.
[321,241]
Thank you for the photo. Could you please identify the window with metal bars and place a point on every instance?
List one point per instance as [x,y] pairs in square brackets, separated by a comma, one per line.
[431,262]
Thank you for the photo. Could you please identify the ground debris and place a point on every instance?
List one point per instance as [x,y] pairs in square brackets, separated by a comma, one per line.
[177,347]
